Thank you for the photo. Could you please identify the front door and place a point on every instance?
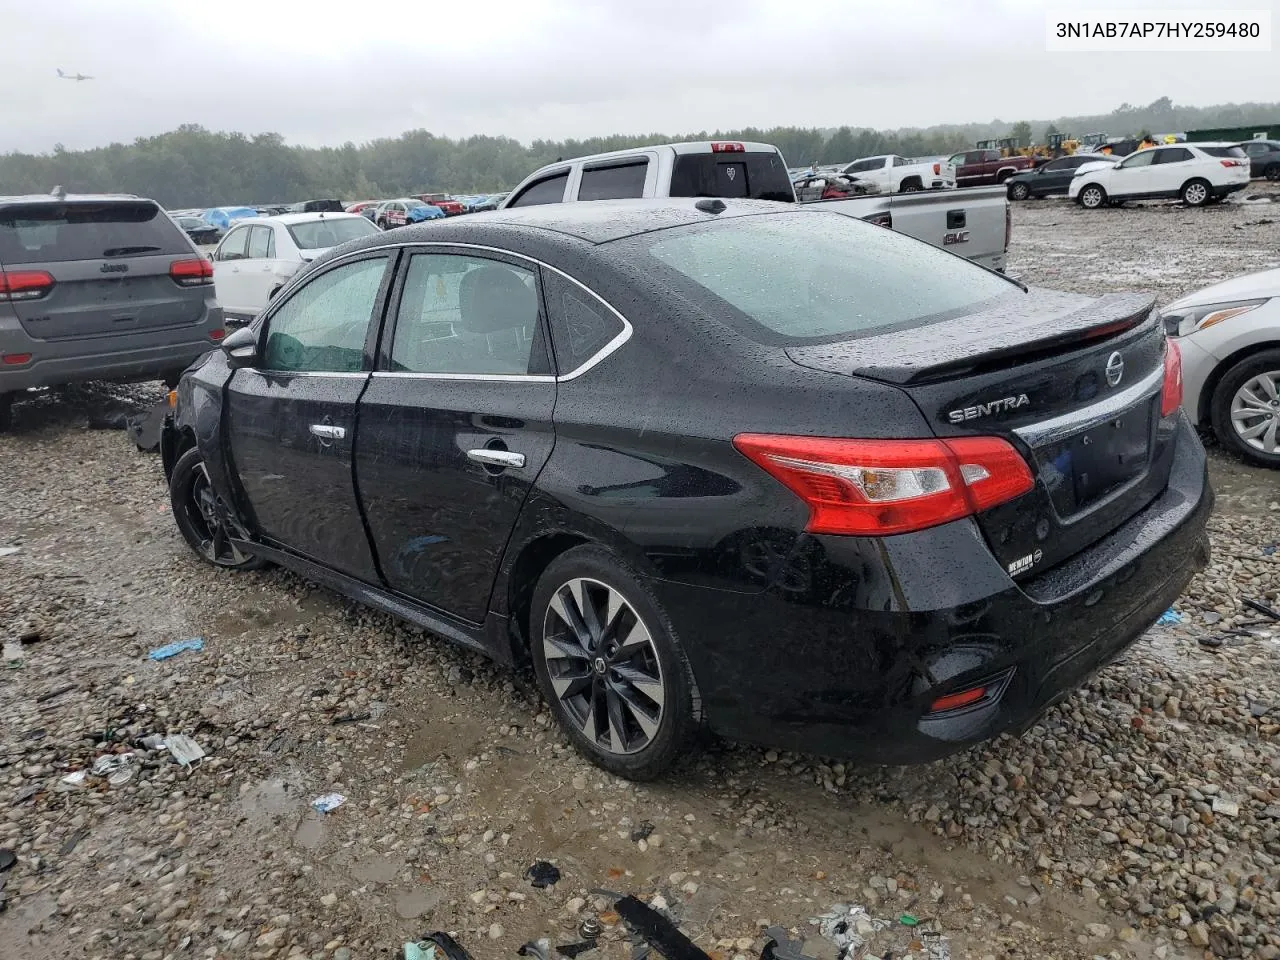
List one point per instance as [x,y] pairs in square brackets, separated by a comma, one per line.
[455,425]
[292,419]
[230,281]
[1132,176]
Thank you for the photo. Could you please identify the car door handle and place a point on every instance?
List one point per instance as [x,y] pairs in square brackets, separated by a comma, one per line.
[328,431]
[496,458]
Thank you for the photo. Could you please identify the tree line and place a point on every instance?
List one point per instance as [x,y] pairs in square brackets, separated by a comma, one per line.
[195,167]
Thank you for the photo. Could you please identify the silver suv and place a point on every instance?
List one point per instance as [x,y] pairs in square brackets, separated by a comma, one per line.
[98,288]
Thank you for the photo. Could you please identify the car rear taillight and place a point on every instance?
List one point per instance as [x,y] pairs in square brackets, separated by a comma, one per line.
[882,487]
[24,284]
[723,147]
[1171,390]
[218,334]
[191,273]
[937,169]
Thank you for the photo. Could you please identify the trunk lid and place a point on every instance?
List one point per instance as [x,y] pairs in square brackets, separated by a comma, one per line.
[109,260]
[1072,382]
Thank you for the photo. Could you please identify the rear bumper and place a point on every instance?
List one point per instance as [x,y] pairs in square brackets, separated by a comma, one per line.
[103,359]
[846,658]
[1230,188]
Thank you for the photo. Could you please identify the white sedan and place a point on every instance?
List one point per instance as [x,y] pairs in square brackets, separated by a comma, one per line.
[257,257]
[1229,335]
[1195,173]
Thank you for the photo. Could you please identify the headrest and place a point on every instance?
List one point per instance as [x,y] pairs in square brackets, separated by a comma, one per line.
[491,299]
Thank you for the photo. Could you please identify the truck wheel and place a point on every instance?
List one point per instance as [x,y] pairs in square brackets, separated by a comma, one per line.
[1196,193]
[6,411]
[1092,197]
[1245,418]
[910,185]
[1019,191]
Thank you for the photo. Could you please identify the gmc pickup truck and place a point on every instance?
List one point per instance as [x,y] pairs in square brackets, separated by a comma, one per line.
[971,223]
[984,168]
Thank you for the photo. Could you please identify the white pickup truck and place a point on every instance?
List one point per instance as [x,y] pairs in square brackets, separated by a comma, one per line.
[895,174]
[971,223]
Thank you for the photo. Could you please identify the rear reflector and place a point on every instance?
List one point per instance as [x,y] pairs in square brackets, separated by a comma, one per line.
[217,334]
[15,359]
[728,148]
[191,273]
[937,169]
[883,487]
[1171,390]
[953,701]
[24,284]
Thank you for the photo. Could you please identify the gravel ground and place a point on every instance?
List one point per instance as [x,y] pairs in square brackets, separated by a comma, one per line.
[1141,818]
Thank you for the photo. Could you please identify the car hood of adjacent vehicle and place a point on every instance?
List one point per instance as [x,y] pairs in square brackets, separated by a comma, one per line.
[1252,286]
[1094,166]
[1001,329]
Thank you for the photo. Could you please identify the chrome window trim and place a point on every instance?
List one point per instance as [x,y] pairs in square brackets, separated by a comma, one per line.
[623,336]
[1094,415]
[264,372]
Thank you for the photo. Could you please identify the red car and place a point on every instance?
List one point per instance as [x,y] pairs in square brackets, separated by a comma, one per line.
[450,206]
[358,207]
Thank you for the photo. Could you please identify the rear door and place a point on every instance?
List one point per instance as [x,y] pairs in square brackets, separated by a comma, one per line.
[258,272]
[1171,167]
[291,421]
[455,425]
[109,262]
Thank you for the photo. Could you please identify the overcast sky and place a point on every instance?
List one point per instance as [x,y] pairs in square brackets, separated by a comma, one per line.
[323,72]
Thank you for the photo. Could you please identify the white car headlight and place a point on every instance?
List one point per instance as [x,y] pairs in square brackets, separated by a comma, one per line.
[1181,321]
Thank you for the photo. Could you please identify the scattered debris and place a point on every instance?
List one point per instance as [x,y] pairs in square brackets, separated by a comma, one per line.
[26,793]
[185,750]
[778,946]
[423,950]
[73,841]
[1169,618]
[7,859]
[573,950]
[76,779]
[55,692]
[907,920]
[1261,608]
[434,946]
[643,830]
[1211,642]
[145,428]
[9,551]
[328,802]
[350,718]
[1268,551]
[1226,806]
[109,420]
[173,649]
[118,768]
[590,929]
[657,931]
[848,926]
[538,949]
[13,654]
[542,874]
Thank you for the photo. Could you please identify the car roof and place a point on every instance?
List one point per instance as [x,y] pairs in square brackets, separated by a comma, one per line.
[289,219]
[1205,143]
[595,221]
[69,198]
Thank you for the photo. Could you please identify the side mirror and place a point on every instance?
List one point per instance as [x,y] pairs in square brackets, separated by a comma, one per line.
[241,348]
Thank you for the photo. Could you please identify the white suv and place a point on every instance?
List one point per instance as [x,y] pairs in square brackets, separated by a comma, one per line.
[1196,173]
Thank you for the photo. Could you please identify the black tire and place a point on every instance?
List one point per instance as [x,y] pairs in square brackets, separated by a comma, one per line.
[1272,172]
[658,661]
[193,503]
[910,185]
[6,412]
[381,223]
[1019,191]
[1092,197]
[1262,362]
[1196,193]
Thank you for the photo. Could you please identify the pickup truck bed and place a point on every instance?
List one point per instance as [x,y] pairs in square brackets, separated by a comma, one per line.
[973,223]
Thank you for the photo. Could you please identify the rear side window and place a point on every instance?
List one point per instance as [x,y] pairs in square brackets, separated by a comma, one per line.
[1234,152]
[802,277]
[56,232]
[550,190]
[581,326]
[1173,155]
[756,175]
[618,181]
[261,243]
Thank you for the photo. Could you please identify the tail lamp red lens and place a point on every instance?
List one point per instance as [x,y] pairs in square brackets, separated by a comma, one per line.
[18,285]
[954,701]
[217,334]
[883,487]
[723,147]
[15,359]
[1171,390]
[191,273]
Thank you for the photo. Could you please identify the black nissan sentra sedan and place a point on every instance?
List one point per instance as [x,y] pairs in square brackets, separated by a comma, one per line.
[730,464]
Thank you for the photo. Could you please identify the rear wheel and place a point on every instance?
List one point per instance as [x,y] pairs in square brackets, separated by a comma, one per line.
[1019,191]
[608,662]
[1272,172]
[202,518]
[1092,197]
[1196,193]
[910,185]
[1245,408]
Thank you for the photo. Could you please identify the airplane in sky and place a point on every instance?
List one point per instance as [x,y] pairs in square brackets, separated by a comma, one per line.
[73,76]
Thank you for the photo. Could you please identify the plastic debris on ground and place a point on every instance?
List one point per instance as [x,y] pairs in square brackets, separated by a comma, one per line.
[538,949]
[328,802]
[542,874]
[76,779]
[1169,618]
[572,950]
[435,946]
[118,768]
[13,654]
[185,750]
[9,551]
[779,946]
[1261,608]
[7,859]
[848,926]
[173,649]
[590,929]
[424,950]
[1226,806]
[657,931]
[643,830]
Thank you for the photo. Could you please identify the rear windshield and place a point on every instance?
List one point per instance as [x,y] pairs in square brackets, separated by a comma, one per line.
[1224,152]
[330,233]
[807,277]
[56,232]
[756,175]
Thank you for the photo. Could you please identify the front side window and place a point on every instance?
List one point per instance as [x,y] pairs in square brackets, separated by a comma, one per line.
[322,327]
[549,190]
[809,276]
[234,245]
[467,316]
[1142,159]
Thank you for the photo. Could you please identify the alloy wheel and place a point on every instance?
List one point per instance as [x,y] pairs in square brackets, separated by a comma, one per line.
[1019,191]
[1255,412]
[207,519]
[1091,197]
[603,666]
[1195,194]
